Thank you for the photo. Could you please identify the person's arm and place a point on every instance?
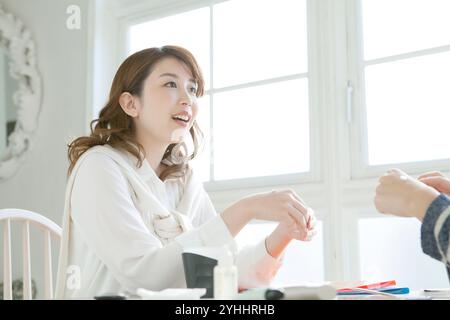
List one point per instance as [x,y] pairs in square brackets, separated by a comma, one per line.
[435,230]
[257,263]
[402,195]
[239,214]
[110,223]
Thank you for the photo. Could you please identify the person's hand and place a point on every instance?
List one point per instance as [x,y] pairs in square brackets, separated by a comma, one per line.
[288,230]
[282,206]
[401,195]
[437,181]
[296,219]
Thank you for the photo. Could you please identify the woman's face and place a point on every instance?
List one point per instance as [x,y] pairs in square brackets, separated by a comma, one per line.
[168,104]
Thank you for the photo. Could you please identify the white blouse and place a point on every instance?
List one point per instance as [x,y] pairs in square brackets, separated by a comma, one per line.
[111,242]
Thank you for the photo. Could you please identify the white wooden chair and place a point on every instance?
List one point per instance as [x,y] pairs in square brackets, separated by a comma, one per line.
[49,228]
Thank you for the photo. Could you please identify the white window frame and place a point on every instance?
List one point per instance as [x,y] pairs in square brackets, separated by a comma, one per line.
[359,136]
[359,186]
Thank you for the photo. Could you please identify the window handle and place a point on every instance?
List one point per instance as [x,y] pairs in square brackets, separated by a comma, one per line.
[349,102]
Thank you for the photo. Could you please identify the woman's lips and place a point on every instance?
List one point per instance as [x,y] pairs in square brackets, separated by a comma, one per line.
[181,123]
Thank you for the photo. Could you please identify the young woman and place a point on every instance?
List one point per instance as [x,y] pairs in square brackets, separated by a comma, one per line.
[425,198]
[133,202]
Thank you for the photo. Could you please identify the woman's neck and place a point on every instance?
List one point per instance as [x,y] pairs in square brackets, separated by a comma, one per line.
[154,154]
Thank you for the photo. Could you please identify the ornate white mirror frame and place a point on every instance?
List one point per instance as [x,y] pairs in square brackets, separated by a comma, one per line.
[19,47]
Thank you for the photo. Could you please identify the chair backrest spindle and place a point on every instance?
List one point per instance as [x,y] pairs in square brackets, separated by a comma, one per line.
[7,277]
[26,260]
[49,228]
[48,277]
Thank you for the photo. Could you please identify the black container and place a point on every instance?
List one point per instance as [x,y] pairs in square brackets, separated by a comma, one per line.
[199,272]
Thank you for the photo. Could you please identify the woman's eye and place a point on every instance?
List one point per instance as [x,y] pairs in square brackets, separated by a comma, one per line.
[194,90]
[171,84]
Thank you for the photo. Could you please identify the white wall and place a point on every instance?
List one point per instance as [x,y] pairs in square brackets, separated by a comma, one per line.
[2,103]
[62,57]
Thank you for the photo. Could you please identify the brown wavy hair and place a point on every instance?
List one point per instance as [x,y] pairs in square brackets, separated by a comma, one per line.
[115,128]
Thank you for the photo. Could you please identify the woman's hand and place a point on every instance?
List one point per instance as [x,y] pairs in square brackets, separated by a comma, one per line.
[286,231]
[437,181]
[278,206]
[297,221]
[401,195]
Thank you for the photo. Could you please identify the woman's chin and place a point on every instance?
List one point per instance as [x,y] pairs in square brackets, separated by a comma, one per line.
[178,135]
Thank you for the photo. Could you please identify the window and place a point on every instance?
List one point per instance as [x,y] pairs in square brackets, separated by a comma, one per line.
[400,70]
[254,106]
[406,70]
[249,122]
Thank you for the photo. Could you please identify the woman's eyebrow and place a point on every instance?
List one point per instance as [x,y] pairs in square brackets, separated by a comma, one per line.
[167,74]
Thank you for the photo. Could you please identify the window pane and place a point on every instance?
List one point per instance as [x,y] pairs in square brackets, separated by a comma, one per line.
[390,250]
[189,30]
[408,107]
[266,39]
[303,261]
[397,26]
[201,162]
[262,131]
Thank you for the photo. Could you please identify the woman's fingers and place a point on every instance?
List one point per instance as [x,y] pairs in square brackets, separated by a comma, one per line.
[299,199]
[298,232]
[431,174]
[299,204]
[297,216]
[439,183]
[295,195]
[303,219]
[310,235]
[307,212]
[302,209]
[312,220]
[305,236]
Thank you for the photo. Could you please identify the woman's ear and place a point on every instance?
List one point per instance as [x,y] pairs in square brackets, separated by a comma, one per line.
[128,104]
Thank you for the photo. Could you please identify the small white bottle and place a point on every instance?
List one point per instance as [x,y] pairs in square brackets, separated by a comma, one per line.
[225,277]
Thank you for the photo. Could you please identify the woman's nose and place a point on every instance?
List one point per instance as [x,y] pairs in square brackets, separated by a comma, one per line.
[186,98]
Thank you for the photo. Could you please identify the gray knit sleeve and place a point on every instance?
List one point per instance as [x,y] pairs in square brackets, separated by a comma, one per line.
[435,230]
